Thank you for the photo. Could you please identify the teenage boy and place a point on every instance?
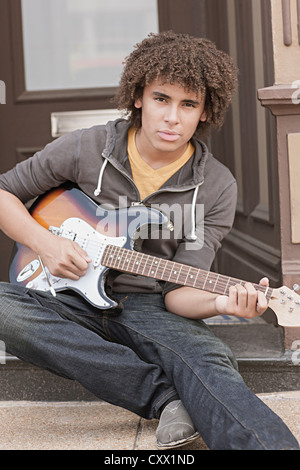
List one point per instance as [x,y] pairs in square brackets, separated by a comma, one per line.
[157,358]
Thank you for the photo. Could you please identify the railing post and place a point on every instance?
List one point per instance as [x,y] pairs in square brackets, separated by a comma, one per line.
[284,103]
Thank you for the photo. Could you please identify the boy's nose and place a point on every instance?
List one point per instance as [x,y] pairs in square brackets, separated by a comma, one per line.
[172,115]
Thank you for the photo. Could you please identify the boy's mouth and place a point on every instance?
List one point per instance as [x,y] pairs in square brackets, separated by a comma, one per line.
[170,136]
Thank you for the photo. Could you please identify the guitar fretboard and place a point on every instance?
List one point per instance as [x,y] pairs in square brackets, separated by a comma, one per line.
[134,262]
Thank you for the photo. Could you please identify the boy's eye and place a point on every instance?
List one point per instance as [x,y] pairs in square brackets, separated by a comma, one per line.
[189,105]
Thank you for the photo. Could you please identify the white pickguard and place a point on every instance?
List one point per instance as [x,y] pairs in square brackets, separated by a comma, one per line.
[94,244]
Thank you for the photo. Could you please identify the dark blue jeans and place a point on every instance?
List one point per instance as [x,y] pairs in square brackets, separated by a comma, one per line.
[139,359]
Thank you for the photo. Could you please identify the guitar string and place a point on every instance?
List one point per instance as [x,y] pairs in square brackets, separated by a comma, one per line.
[221,281]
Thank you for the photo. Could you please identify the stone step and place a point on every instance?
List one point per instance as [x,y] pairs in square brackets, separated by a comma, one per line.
[253,338]
[263,362]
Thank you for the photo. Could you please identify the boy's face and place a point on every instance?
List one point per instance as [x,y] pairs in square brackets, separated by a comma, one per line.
[170,116]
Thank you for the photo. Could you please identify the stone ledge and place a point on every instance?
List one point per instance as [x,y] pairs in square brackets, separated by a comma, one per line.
[281,99]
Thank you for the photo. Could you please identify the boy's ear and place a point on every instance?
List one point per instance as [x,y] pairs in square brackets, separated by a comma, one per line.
[138,103]
[203,116]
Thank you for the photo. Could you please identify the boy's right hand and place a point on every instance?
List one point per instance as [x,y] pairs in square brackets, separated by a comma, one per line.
[64,258]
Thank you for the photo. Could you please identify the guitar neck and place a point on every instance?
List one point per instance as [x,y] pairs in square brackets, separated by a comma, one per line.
[133,262]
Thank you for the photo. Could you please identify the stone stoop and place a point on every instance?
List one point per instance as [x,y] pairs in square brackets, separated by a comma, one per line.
[264,363]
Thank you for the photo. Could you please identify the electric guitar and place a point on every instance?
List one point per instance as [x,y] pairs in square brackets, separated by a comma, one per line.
[111,238]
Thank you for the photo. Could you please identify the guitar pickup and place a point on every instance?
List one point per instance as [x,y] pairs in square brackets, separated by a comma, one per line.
[55,230]
[69,234]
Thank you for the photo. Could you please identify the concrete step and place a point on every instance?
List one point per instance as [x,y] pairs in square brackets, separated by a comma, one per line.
[28,425]
[259,348]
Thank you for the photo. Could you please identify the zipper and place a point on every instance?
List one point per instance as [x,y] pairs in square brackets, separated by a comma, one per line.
[128,178]
[161,190]
[173,190]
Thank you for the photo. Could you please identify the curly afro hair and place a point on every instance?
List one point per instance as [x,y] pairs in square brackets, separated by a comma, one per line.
[194,63]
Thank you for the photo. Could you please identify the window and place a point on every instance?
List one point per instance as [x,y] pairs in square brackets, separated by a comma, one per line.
[71,44]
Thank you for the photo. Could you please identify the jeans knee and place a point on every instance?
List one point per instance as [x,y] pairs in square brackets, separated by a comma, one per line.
[228,357]
[13,308]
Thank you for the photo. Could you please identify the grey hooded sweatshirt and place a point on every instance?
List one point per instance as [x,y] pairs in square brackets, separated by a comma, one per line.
[200,198]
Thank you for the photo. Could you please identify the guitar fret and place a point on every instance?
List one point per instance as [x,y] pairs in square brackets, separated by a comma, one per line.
[129,255]
[141,265]
[118,259]
[179,268]
[154,261]
[163,272]
[191,277]
[212,283]
[136,265]
[195,277]
[226,287]
[121,261]
[207,275]
[180,275]
[145,263]
[166,272]
[216,283]
[169,272]
[183,274]
[176,272]
[209,282]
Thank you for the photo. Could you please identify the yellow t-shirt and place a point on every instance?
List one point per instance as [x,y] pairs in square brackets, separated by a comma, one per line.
[145,177]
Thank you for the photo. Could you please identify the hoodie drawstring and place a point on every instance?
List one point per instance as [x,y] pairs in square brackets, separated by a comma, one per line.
[98,189]
[193,235]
